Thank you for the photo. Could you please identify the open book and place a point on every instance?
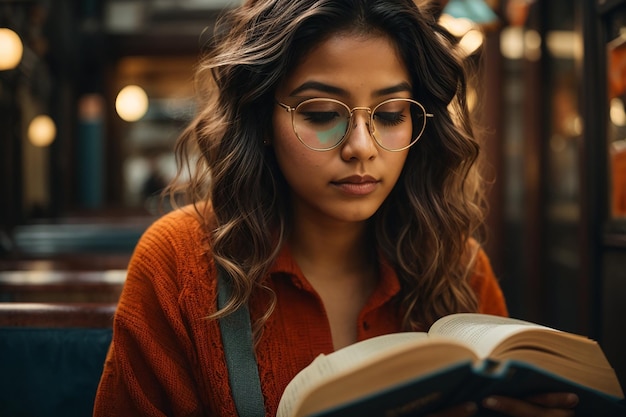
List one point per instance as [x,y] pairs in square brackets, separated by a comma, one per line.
[463,357]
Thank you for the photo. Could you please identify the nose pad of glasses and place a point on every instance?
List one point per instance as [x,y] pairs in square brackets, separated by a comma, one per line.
[355,128]
[371,128]
[366,120]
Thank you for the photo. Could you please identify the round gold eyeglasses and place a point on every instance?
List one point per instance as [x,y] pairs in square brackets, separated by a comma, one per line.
[322,124]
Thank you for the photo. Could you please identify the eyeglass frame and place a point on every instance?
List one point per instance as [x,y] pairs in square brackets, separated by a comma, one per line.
[370,126]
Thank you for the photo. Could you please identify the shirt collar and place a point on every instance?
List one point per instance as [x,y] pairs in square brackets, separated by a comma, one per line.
[388,285]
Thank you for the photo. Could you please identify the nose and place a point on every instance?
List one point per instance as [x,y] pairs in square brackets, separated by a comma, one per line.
[359,145]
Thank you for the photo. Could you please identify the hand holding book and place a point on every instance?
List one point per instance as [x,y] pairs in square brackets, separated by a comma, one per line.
[543,405]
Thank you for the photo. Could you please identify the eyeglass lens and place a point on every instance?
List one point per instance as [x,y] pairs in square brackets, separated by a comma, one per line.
[322,124]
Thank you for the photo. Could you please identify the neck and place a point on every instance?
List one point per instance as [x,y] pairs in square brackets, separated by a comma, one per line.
[332,250]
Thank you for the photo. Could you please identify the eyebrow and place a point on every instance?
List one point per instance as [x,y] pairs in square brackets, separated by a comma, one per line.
[326,88]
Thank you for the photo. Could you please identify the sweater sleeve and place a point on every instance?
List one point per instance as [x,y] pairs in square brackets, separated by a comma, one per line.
[147,371]
[483,281]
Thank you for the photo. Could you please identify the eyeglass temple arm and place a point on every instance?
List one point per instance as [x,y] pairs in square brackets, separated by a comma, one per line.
[287,108]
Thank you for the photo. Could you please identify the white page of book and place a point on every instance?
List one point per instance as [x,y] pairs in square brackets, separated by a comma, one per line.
[341,360]
[480,331]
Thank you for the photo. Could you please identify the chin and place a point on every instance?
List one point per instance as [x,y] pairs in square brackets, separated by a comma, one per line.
[355,217]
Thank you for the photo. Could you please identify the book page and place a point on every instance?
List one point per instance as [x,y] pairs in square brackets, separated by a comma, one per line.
[356,353]
[349,357]
[600,378]
[481,332]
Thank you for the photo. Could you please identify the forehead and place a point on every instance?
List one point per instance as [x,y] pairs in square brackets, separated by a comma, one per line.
[354,63]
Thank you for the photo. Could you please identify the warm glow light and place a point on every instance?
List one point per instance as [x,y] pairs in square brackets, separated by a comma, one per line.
[42,131]
[618,114]
[512,42]
[471,41]
[517,43]
[532,45]
[564,44]
[131,103]
[11,49]
[456,26]
[472,98]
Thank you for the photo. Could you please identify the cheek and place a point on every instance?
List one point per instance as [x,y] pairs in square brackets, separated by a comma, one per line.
[292,156]
[295,161]
[284,140]
[396,164]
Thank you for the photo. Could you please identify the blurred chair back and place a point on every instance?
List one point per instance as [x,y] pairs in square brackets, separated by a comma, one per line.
[51,357]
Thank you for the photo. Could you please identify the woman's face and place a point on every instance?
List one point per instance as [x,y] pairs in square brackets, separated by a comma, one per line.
[350,182]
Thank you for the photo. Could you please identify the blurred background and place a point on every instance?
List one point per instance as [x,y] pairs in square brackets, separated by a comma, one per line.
[94,93]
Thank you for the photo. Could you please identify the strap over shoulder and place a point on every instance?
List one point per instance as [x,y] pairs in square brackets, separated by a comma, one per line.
[243,371]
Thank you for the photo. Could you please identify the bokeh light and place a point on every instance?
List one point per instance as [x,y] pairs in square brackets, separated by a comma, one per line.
[42,131]
[131,103]
[11,49]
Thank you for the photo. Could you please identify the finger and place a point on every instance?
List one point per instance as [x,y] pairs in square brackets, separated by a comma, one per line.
[555,399]
[521,408]
[462,410]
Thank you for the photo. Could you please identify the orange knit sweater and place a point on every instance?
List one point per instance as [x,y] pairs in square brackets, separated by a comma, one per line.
[166,359]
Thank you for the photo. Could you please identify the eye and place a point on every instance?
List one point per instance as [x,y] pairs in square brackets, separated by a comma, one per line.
[389,118]
[319,117]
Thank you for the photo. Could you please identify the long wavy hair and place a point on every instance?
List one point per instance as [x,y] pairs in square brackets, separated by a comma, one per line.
[425,226]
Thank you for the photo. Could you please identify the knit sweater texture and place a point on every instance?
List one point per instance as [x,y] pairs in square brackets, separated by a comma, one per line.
[166,357]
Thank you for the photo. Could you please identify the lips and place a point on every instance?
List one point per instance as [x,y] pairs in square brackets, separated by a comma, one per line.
[357,185]
[356,179]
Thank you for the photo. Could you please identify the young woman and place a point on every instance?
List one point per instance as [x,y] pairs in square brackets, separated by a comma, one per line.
[336,190]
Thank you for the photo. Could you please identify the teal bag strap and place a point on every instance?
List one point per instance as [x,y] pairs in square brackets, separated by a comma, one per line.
[243,371]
